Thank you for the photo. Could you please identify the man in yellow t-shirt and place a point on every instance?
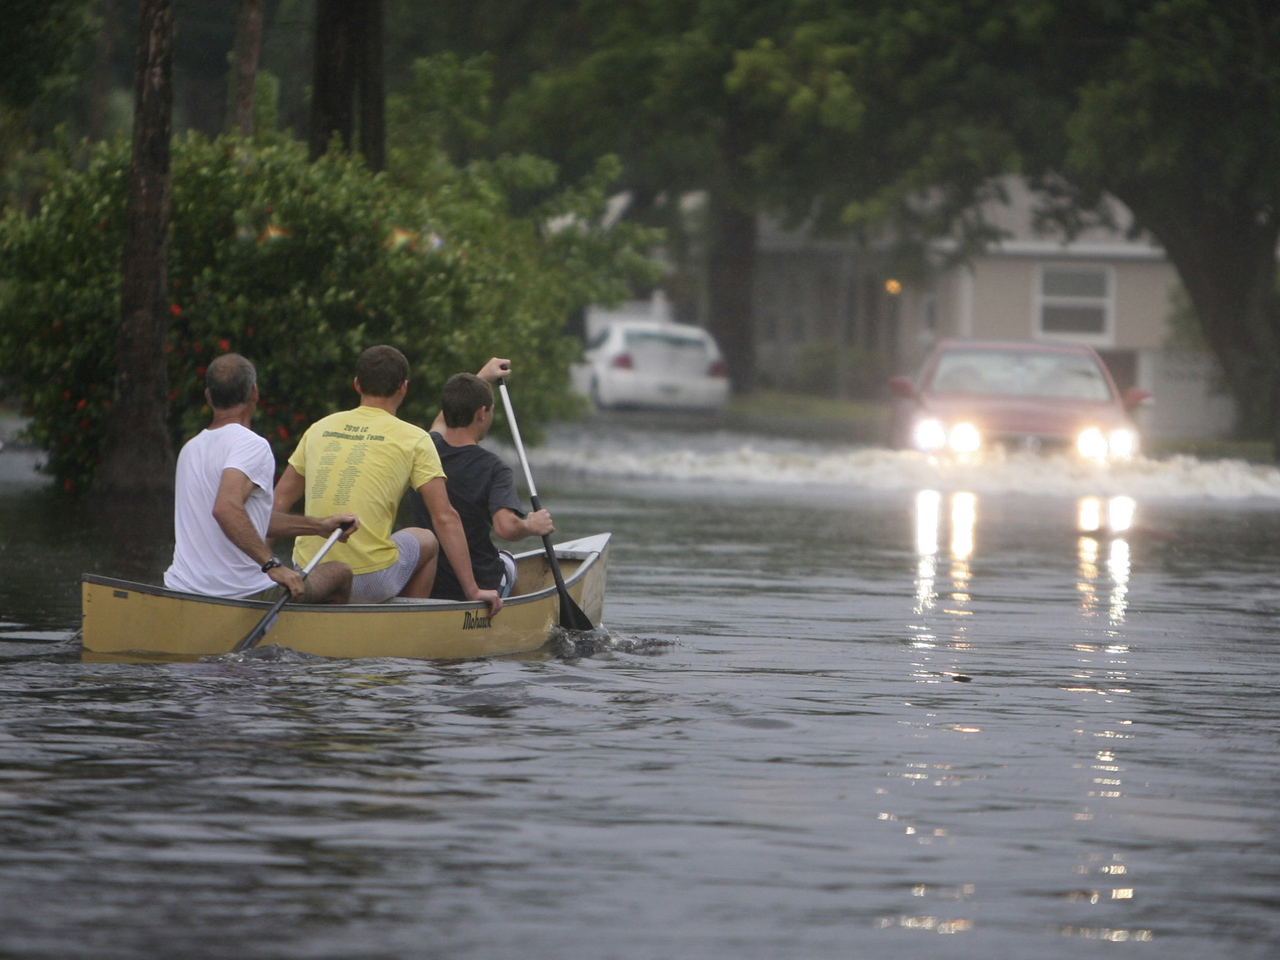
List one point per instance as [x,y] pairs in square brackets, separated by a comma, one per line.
[362,461]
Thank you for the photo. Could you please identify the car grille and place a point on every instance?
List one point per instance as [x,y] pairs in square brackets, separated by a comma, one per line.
[1032,443]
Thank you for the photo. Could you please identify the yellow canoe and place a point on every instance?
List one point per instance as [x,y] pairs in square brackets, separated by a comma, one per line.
[125,620]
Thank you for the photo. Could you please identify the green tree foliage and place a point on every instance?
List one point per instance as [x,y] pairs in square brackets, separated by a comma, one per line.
[41,41]
[39,44]
[1173,106]
[575,79]
[649,82]
[298,266]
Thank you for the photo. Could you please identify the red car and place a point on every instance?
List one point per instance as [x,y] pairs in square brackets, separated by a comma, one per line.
[972,395]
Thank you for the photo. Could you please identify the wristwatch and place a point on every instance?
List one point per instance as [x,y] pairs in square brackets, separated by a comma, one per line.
[272,563]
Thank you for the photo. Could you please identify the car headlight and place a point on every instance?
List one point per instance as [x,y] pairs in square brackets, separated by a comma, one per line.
[930,435]
[1123,443]
[965,438]
[1091,444]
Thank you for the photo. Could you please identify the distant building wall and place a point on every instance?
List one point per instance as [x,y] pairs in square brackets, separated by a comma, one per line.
[1103,287]
[1188,401]
[1116,304]
[1143,303]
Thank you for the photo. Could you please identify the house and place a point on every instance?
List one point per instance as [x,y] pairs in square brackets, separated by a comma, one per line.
[832,309]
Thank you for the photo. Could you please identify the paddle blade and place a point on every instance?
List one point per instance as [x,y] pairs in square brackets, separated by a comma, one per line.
[572,616]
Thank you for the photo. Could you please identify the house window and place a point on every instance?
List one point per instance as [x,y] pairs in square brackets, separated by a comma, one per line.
[1076,303]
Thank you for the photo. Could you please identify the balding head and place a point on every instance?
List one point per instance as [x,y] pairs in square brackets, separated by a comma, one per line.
[230,380]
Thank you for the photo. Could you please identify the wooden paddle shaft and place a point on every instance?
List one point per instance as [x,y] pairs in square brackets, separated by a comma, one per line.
[258,632]
[571,615]
[515,435]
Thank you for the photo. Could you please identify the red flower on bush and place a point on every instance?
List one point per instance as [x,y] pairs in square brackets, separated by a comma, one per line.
[284,434]
[80,405]
[200,371]
[224,345]
[175,309]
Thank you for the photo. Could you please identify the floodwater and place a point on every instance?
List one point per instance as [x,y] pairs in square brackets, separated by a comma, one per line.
[856,706]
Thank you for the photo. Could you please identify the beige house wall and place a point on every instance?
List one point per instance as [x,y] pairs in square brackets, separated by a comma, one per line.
[1006,299]
[998,297]
[1143,304]
[1003,297]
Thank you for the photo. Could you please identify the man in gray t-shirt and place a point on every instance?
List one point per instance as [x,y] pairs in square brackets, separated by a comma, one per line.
[481,486]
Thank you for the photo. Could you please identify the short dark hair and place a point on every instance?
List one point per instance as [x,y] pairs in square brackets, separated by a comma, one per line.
[464,393]
[230,379]
[381,370]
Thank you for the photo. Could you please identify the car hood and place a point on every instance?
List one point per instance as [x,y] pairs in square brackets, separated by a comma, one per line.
[1025,415]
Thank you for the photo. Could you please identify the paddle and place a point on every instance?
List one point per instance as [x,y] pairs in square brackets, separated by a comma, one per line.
[571,615]
[257,633]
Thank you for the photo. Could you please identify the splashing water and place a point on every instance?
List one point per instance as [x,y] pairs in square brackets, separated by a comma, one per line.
[725,457]
[265,653]
[566,644]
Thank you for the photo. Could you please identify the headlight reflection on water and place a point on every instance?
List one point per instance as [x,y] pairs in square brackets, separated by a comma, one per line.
[943,638]
[962,517]
[1099,522]
[1119,514]
[1093,520]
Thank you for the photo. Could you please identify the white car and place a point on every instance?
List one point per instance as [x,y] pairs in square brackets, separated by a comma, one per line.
[653,363]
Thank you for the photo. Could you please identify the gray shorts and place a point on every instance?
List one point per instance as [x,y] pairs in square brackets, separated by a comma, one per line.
[508,574]
[388,582]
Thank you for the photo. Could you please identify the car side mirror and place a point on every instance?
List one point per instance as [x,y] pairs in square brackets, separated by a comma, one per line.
[1135,397]
[902,387]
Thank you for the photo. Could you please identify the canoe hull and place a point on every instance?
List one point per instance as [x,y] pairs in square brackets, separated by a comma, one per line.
[134,619]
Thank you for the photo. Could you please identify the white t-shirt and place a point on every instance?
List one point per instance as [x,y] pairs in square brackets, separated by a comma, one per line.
[204,560]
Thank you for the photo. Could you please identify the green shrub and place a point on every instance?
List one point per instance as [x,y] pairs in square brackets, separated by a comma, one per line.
[299,266]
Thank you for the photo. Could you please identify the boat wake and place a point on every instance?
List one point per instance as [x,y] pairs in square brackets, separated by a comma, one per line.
[266,653]
[567,644]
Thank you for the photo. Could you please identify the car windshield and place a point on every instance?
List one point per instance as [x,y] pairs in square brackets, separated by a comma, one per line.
[1021,374]
[667,351]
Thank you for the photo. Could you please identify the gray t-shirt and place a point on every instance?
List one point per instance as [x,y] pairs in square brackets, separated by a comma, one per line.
[480,484]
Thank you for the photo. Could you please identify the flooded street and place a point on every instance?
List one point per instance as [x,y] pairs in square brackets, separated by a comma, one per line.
[857,705]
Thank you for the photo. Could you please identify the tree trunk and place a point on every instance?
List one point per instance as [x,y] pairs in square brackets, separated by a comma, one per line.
[1226,259]
[102,71]
[332,77]
[731,259]
[373,97]
[137,464]
[348,73]
[244,67]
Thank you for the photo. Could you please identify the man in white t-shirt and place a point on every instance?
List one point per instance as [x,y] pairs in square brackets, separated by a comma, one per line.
[223,506]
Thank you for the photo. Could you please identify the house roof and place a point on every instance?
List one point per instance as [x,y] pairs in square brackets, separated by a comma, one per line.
[1016,220]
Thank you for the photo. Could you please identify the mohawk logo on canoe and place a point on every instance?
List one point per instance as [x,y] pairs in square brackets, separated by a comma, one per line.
[472,621]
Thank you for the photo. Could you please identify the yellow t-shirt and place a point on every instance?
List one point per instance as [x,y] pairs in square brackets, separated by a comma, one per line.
[361,461]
